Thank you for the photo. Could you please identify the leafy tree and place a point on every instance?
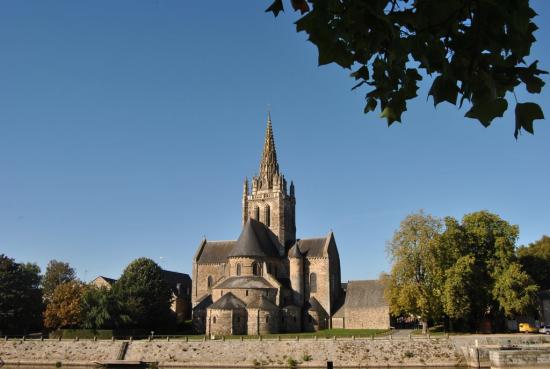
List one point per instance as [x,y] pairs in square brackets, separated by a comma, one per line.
[475,49]
[412,285]
[535,259]
[102,310]
[20,296]
[459,283]
[486,267]
[64,310]
[144,294]
[515,291]
[57,272]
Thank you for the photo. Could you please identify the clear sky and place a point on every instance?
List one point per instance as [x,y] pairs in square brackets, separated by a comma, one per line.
[127,128]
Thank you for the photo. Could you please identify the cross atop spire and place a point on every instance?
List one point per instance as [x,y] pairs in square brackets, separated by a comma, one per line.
[269,166]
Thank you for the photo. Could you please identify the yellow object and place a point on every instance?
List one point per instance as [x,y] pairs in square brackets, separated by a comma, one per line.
[527,328]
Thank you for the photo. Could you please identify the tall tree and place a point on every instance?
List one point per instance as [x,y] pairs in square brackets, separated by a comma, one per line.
[102,310]
[144,294]
[476,51]
[535,259]
[57,272]
[64,309]
[413,284]
[20,296]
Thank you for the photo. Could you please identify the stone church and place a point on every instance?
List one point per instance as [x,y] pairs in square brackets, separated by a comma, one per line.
[267,281]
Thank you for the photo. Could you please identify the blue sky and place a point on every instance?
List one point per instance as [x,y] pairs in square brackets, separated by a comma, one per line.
[127,128]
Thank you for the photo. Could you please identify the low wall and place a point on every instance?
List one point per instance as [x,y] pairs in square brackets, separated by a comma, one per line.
[520,358]
[273,352]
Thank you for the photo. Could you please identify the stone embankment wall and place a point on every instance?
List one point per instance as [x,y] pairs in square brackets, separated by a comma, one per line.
[343,352]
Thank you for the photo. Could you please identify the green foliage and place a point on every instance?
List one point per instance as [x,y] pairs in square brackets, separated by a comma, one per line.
[101,309]
[457,288]
[535,259]
[292,363]
[412,286]
[476,51]
[20,296]
[57,272]
[144,296]
[306,357]
[466,271]
[515,291]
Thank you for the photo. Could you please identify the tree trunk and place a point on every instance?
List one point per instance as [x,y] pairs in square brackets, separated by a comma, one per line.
[424,326]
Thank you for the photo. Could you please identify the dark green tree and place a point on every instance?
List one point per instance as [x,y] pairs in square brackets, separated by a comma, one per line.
[57,272]
[535,259]
[102,310]
[20,296]
[475,50]
[144,295]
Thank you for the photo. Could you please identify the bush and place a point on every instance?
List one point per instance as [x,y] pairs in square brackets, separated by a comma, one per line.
[306,357]
[291,362]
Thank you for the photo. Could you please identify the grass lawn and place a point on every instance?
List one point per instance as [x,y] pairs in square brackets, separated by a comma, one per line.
[326,333]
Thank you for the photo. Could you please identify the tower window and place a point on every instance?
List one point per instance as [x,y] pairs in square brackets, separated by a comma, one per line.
[214,320]
[256,269]
[246,293]
[209,281]
[313,282]
[257,213]
[238,269]
[267,214]
[267,318]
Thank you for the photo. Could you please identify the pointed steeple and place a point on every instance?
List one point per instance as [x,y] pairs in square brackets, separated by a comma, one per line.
[268,166]
[245,201]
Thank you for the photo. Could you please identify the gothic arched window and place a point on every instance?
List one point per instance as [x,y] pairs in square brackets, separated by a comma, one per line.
[267,215]
[238,269]
[209,281]
[257,213]
[313,282]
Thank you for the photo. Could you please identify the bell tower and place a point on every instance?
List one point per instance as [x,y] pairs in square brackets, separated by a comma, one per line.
[269,201]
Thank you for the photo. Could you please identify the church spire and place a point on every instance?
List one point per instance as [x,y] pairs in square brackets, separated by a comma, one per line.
[268,166]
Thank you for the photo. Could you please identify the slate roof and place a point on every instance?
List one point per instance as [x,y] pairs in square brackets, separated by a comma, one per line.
[204,302]
[295,252]
[110,281]
[215,251]
[244,282]
[262,303]
[256,240]
[228,302]
[314,305]
[178,282]
[363,295]
[312,247]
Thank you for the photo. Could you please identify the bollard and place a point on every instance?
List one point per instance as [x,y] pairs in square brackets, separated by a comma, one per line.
[113,338]
[391,336]
[6,338]
[42,338]
[149,338]
[278,338]
[410,336]
[131,338]
[316,338]
[223,338]
[259,337]
[24,338]
[59,338]
[242,338]
[204,338]
[167,338]
[186,339]
[353,338]
[372,337]
[95,338]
